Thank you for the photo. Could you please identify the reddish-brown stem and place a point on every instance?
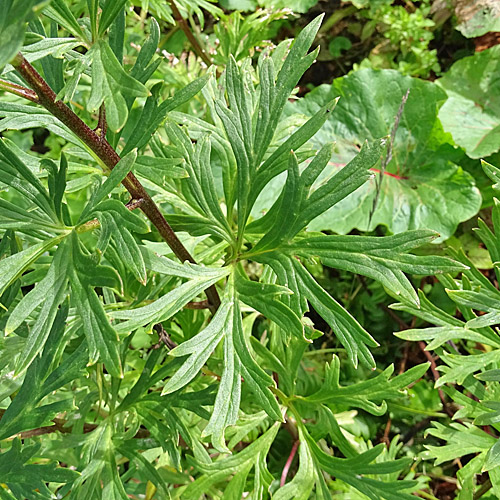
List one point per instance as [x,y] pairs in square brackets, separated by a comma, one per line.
[289,461]
[189,34]
[435,374]
[385,439]
[133,204]
[103,150]
[102,124]
[18,90]
[164,337]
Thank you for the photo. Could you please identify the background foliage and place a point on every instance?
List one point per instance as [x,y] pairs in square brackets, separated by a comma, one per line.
[316,225]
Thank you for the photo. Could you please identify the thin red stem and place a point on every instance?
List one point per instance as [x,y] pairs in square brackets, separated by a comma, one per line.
[289,461]
[400,177]
[378,171]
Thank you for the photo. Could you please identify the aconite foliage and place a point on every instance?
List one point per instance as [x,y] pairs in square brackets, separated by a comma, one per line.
[470,349]
[85,279]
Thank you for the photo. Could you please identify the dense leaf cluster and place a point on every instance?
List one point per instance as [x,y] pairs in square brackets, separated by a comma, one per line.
[116,373]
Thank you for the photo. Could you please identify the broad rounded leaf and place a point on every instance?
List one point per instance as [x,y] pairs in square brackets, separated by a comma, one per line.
[422,188]
[472,112]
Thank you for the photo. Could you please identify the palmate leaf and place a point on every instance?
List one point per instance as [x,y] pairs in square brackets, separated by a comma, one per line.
[384,259]
[278,161]
[250,143]
[110,83]
[292,274]
[27,477]
[242,462]
[297,205]
[122,396]
[84,275]
[238,363]
[370,395]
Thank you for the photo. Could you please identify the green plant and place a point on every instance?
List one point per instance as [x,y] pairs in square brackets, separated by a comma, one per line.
[93,298]
[407,30]
[422,181]
[472,113]
[293,5]
[469,348]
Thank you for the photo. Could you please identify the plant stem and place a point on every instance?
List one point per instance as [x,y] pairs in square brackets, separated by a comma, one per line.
[94,223]
[18,90]
[486,486]
[189,34]
[100,146]
[288,464]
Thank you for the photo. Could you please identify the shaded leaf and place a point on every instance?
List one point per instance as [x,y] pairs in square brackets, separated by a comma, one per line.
[470,113]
